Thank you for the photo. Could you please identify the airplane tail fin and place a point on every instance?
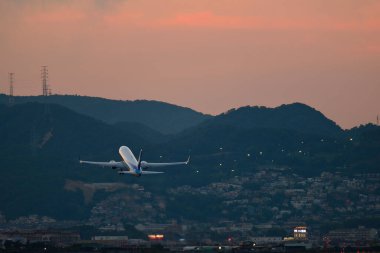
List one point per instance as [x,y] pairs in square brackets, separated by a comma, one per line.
[139,161]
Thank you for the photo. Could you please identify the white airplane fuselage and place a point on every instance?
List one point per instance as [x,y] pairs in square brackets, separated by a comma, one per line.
[130,161]
[130,165]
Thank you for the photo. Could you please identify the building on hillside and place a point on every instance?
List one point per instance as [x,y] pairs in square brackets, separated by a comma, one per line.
[356,236]
[112,241]
[265,240]
[58,238]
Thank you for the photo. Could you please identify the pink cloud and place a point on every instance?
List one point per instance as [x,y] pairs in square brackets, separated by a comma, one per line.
[208,19]
[124,16]
[211,20]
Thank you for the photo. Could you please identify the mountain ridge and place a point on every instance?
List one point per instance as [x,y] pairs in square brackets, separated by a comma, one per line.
[40,144]
[160,116]
[295,116]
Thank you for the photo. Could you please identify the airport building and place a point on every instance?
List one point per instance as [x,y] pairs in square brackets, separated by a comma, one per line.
[300,233]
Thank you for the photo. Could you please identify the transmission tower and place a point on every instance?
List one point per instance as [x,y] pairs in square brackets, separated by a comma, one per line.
[44,79]
[11,80]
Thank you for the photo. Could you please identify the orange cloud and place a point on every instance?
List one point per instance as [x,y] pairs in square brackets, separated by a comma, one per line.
[208,19]
[124,15]
[211,20]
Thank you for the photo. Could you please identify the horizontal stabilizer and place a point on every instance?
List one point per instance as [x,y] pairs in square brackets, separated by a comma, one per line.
[151,172]
[142,172]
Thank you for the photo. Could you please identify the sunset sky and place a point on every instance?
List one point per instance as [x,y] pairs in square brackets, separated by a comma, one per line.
[210,55]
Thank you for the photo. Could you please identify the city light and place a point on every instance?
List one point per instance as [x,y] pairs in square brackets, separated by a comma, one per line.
[156,237]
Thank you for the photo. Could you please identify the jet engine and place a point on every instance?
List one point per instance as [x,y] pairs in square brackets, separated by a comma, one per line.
[112,161]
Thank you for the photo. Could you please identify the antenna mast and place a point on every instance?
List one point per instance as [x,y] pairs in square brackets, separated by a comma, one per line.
[44,78]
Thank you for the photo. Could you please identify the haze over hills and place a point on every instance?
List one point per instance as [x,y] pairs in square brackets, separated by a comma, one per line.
[40,144]
[163,117]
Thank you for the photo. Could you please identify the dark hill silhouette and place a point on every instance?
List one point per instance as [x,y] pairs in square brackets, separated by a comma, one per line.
[40,144]
[142,130]
[215,144]
[39,150]
[293,135]
[163,117]
[297,116]
[365,148]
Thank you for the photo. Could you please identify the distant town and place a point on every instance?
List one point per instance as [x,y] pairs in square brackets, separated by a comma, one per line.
[283,211]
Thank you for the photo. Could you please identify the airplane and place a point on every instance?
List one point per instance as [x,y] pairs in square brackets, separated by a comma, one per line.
[130,165]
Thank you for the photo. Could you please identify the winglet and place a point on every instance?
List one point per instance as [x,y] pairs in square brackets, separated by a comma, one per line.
[188,160]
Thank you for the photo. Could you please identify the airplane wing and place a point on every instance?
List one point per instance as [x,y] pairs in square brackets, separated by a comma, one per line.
[111,164]
[126,172]
[145,165]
